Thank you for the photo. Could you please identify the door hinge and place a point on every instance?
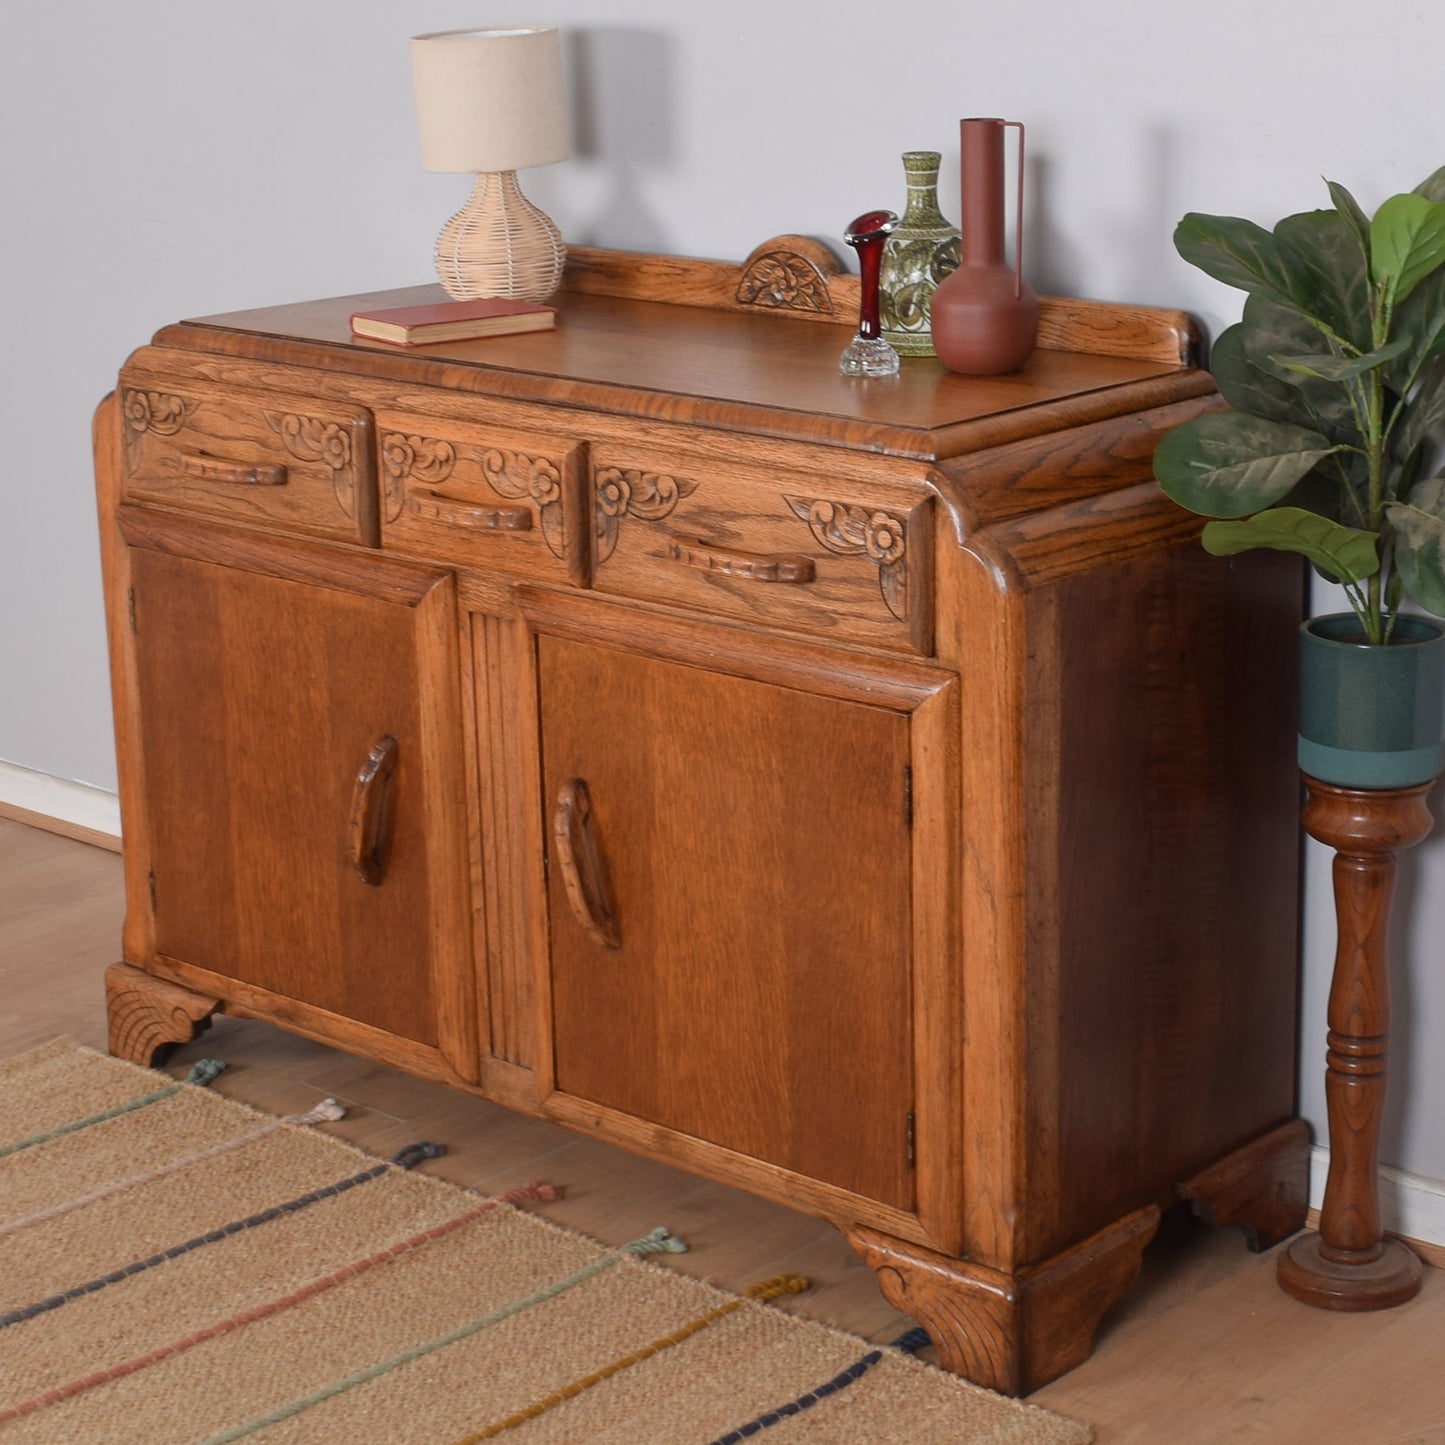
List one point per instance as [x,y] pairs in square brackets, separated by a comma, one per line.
[130,605]
[909,1148]
[908,797]
[151,881]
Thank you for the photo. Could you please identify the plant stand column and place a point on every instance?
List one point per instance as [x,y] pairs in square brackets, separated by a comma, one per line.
[1349,1265]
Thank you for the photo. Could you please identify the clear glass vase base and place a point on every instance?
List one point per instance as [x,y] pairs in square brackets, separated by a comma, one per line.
[868,356]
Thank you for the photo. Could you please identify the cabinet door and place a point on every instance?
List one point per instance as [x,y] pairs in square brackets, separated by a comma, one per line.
[730,910]
[301,781]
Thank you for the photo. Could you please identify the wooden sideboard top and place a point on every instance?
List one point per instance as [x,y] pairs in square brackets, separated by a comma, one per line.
[714,343]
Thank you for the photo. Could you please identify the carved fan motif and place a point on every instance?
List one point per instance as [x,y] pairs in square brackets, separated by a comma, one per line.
[313,439]
[428,459]
[786,281]
[620,492]
[851,531]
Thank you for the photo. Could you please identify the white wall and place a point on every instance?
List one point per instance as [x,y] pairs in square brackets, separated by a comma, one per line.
[167,158]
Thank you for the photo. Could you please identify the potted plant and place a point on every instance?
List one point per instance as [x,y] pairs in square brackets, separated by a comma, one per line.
[1336,380]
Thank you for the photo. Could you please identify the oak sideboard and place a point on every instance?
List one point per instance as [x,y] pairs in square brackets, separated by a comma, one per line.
[866,793]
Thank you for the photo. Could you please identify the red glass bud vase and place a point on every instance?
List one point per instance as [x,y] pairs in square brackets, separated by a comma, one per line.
[869,353]
[985,319]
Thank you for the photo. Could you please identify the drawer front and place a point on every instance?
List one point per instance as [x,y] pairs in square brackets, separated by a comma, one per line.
[262,457]
[794,551]
[480,496]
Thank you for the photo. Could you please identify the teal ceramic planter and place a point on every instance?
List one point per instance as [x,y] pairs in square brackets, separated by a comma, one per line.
[1371,717]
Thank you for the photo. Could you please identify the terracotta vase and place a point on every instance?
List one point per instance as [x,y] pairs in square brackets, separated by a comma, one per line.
[985,318]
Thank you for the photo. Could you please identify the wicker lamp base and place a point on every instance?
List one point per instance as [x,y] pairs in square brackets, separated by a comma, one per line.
[500,244]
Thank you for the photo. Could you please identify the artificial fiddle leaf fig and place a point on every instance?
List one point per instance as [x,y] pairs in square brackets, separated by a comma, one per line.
[1420,319]
[1341,368]
[1419,525]
[1343,554]
[1358,221]
[1326,260]
[1248,388]
[1229,464]
[1433,186]
[1239,253]
[1426,412]
[1407,242]
[1337,379]
[1271,330]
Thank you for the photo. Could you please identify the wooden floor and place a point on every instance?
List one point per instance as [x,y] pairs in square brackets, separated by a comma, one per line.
[1205,1350]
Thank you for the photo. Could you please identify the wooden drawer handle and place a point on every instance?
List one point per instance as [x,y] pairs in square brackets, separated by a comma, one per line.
[580,859]
[755,567]
[434,507]
[232,474]
[371,812]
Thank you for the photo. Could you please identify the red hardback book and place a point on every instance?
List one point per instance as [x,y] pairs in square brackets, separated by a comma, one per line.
[453,321]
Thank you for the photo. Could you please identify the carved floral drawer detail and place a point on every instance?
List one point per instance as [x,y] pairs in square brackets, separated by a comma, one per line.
[249,456]
[314,439]
[155,411]
[466,494]
[630,492]
[851,531]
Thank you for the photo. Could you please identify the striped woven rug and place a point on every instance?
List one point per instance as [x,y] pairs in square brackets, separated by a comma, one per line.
[175,1267]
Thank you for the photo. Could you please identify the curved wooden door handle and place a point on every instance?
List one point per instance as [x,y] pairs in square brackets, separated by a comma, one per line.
[432,506]
[580,859]
[752,566]
[233,474]
[371,812]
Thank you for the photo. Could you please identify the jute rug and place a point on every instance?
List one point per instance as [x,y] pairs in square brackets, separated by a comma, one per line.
[175,1267]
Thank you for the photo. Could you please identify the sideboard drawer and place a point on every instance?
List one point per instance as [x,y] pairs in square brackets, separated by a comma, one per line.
[473,495]
[831,559]
[252,457]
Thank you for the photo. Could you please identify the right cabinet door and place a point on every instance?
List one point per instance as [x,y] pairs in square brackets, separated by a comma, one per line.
[730,863]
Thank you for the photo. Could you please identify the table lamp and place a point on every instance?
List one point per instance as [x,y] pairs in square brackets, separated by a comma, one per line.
[491,102]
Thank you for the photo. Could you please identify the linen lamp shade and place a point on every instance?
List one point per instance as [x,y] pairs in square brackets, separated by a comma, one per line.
[491,102]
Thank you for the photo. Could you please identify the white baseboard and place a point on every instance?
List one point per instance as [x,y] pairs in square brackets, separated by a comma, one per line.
[81,806]
[1410,1204]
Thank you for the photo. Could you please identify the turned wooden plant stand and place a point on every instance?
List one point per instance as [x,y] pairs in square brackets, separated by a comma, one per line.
[1349,1264]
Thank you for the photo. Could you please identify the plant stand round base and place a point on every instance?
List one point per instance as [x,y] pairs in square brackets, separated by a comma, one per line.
[1375,1284]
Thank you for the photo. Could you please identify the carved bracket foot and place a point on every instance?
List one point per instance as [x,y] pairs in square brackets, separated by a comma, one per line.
[1263,1187]
[1011,1333]
[149,1017]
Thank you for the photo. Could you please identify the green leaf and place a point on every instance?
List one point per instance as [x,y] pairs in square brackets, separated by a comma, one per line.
[1230,465]
[1420,319]
[1343,554]
[1433,186]
[1425,412]
[1249,389]
[1420,543]
[1326,262]
[1341,368]
[1407,242]
[1354,214]
[1240,254]
[1271,330]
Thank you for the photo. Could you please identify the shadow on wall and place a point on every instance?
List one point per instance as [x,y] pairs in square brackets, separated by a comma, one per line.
[623,120]
[1135,234]
[1408,956]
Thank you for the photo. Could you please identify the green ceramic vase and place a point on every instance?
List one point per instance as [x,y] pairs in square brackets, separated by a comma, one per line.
[921,251]
[1372,717]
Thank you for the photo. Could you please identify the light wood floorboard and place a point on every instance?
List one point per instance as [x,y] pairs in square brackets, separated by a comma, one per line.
[1205,1350]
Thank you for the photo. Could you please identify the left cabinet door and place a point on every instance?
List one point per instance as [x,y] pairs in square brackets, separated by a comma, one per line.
[301,784]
